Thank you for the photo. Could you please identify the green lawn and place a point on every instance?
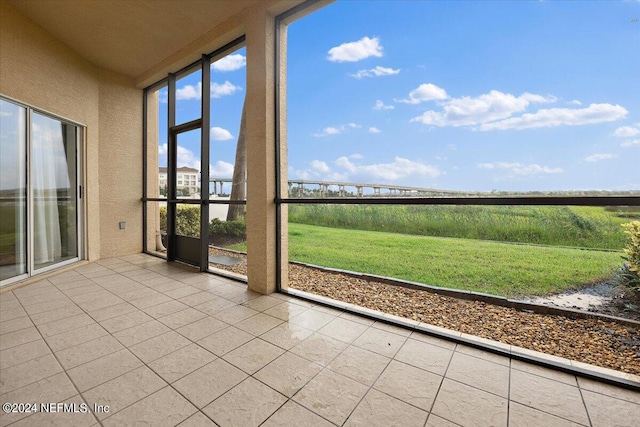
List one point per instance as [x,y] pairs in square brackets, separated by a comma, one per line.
[496,268]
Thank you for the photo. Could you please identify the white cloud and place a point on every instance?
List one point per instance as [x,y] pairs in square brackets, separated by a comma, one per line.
[356,156]
[630,143]
[597,157]
[398,169]
[374,129]
[320,166]
[229,63]
[189,92]
[379,105]
[551,117]
[488,107]
[221,169]
[355,51]
[519,168]
[220,134]
[575,102]
[627,131]
[425,92]
[5,114]
[375,72]
[226,88]
[331,130]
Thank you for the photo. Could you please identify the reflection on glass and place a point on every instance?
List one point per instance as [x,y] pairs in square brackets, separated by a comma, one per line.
[13,191]
[157,143]
[53,175]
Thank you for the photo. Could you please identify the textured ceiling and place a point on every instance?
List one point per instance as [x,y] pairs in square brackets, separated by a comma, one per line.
[129,37]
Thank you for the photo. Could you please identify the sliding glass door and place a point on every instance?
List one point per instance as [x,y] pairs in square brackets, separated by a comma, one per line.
[39,192]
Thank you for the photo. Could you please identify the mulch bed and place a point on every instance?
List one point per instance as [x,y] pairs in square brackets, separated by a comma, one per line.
[598,342]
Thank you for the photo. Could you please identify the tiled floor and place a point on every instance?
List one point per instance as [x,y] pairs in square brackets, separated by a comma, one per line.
[161,344]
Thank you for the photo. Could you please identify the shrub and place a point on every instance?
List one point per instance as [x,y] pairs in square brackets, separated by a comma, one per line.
[235,228]
[629,275]
[187,220]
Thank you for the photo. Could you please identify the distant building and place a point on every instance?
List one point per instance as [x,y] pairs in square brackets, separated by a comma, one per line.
[187,179]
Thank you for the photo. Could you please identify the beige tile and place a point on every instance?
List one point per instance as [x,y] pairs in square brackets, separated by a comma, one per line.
[209,382]
[202,328]
[319,349]
[28,372]
[378,409]
[165,309]
[286,335]
[425,356]
[331,395]
[258,324]
[440,342]
[523,416]
[436,421]
[48,306]
[125,321]
[14,339]
[606,411]
[357,318]
[479,373]
[88,351]
[55,388]
[380,341]
[547,395]
[293,415]
[159,346]
[360,365]
[57,314]
[238,294]
[182,318]
[22,353]
[75,337]
[312,319]
[247,404]
[225,340]
[77,414]
[132,336]
[215,305]
[182,362]
[33,300]
[163,408]
[392,328]
[150,301]
[182,291]
[409,384]
[285,310]
[288,373]
[124,390]
[253,355]
[262,303]
[466,405]
[63,325]
[609,390]
[482,354]
[197,298]
[343,329]
[234,314]
[112,311]
[15,325]
[13,313]
[101,370]
[541,371]
[197,420]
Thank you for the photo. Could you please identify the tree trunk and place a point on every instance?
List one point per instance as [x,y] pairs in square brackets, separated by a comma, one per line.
[238,184]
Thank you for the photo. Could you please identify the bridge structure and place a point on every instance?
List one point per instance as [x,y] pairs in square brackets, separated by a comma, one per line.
[301,188]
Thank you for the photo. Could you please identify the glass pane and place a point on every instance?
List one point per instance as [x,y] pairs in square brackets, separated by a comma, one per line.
[228,174]
[53,175]
[188,162]
[227,239]
[13,190]
[157,132]
[157,241]
[188,97]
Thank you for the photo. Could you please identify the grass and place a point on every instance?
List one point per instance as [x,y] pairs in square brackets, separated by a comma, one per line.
[490,267]
[586,227]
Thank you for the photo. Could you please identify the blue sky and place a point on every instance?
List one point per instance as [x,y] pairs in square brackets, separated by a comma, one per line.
[514,96]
